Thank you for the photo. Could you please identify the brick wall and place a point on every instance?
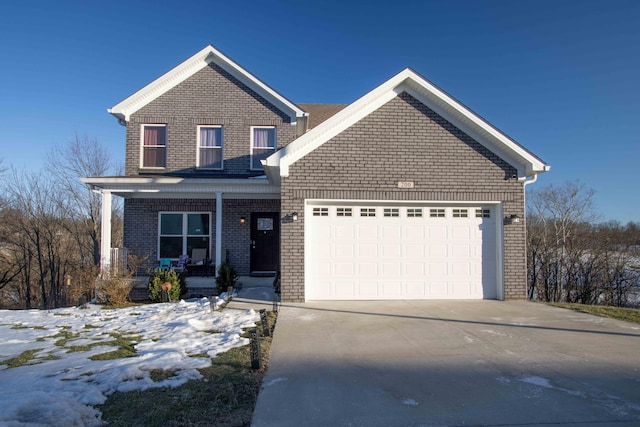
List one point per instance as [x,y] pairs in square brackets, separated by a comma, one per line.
[141,225]
[209,97]
[402,141]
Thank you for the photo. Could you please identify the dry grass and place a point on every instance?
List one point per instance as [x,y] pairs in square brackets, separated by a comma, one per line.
[626,314]
[225,396]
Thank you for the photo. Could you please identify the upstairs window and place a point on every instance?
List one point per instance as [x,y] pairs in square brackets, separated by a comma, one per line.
[210,147]
[154,146]
[263,144]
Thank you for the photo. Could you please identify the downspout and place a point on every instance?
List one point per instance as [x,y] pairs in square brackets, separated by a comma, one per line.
[531,181]
[524,195]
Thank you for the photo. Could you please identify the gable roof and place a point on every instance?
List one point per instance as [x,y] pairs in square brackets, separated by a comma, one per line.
[318,113]
[526,163]
[125,108]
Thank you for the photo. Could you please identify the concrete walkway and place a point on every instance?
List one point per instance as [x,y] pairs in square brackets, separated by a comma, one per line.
[449,363]
[255,293]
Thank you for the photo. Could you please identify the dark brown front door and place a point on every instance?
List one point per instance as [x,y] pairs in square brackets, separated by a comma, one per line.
[265,241]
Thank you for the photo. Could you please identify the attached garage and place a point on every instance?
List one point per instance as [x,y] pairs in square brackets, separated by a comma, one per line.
[403,194]
[400,250]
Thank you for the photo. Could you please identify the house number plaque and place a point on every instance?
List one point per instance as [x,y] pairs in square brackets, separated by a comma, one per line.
[405,184]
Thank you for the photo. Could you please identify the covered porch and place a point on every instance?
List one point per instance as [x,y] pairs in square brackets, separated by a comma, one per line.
[228,213]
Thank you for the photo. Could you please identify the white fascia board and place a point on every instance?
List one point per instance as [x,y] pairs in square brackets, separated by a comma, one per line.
[167,185]
[408,81]
[125,108]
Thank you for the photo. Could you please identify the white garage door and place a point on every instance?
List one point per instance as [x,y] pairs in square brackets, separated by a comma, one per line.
[396,251]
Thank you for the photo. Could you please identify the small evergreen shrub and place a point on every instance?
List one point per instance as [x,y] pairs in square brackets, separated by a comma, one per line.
[177,280]
[227,276]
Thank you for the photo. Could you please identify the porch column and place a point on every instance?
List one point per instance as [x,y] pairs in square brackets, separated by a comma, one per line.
[218,232]
[105,231]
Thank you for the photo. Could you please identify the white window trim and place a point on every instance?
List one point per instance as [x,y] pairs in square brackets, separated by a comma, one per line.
[221,148]
[184,228]
[166,145]
[251,142]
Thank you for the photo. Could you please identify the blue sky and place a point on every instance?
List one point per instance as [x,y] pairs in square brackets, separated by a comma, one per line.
[560,77]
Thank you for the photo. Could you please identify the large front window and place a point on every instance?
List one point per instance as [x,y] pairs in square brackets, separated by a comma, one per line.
[181,233]
[263,144]
[210,147]
[154,146]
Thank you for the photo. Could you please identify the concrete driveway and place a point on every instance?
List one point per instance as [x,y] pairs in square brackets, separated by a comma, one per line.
[449,363]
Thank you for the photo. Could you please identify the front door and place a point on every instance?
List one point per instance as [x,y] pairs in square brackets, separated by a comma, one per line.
[265,241]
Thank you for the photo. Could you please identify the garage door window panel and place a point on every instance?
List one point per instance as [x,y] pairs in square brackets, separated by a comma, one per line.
[391,212]
[344,212]
[320,211]
[460,213]
[368,212]
[436,213]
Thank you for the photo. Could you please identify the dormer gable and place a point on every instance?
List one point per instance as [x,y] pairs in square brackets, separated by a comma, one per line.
[128,106]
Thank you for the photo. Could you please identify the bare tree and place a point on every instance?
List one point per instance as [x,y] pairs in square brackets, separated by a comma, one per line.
[572,259]
[555,215]
[81,157]
[50,227]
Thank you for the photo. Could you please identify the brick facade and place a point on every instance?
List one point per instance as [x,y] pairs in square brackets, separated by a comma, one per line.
[141,225]
[402,141]
[209,97]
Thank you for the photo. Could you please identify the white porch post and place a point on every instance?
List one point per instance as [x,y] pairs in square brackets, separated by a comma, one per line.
[105,232]
[218,232]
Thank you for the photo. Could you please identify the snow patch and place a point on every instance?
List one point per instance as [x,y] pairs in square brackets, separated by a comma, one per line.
[276,381]
[307,317]
[410,402]
[539,381]
[64,391]
[492,332]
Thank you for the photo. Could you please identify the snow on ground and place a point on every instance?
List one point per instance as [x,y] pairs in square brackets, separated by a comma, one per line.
[61,386]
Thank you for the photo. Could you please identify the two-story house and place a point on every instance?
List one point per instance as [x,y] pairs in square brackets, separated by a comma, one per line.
[405,193]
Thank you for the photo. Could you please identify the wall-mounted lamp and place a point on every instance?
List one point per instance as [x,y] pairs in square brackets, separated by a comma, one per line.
[515,218]
[294,216]
[243,220]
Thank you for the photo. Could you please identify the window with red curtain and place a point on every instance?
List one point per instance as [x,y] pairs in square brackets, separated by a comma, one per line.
[154,146]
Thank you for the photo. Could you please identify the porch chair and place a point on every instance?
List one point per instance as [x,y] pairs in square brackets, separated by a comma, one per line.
[198,260]
[165,264]
[181,265]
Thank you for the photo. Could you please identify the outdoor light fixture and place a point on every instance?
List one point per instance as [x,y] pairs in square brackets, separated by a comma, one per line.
[515,218]
[243,220]
[294,216]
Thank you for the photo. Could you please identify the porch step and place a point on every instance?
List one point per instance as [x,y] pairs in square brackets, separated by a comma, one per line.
[200,292]
[138,294]
[262,274]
